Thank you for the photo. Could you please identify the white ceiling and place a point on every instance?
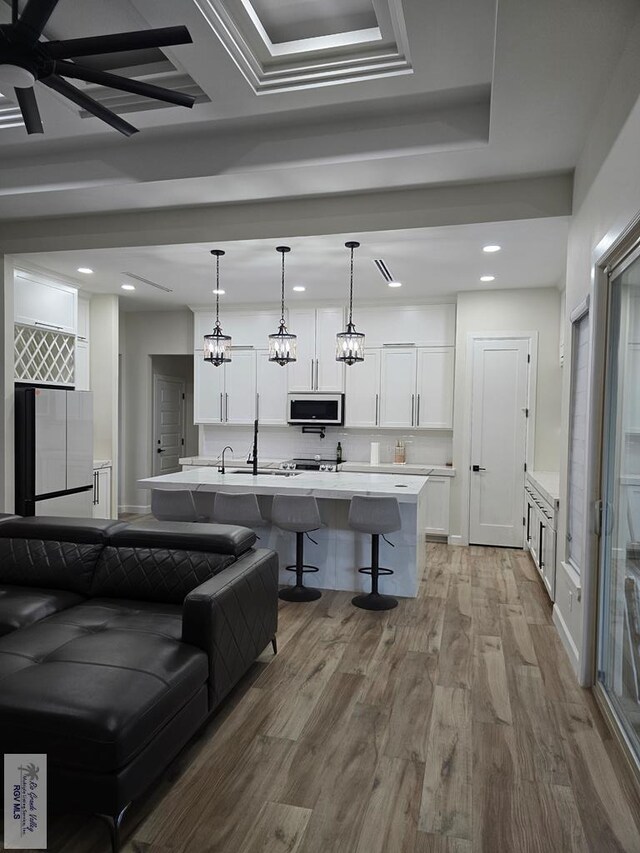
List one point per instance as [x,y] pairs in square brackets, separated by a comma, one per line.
[490,96]
[430,262]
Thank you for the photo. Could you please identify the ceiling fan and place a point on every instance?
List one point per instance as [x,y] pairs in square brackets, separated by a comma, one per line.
[24,59]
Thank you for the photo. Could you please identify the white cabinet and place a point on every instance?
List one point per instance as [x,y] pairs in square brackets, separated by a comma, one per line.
[398,387]
[208,391]
[247,387]
[540,521]
[362,397]
[82,380]
[418,325]
[437,497]
[45,304]
[434,388]
[247,328]
[316,368]
[272,384]
[102,493]
[240,387]
[83,328]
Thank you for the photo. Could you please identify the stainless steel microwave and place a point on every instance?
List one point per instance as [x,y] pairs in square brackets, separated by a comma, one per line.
[327,409]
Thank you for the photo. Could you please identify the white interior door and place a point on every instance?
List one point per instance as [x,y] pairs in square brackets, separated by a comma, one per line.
[168,424]
[499,400]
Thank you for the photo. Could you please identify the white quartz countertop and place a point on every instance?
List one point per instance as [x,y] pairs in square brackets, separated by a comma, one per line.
[101,463]
[547,483]
[229,461]
[420,468]
[323,484]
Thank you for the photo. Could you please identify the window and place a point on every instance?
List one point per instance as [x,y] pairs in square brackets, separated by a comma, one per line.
[577,461]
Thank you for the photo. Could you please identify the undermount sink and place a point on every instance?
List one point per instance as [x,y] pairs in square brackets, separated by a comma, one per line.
[270,472]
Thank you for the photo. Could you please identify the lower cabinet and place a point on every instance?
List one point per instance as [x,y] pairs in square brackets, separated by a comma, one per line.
[82,380]
[540,536]
[438,489]
[102,493]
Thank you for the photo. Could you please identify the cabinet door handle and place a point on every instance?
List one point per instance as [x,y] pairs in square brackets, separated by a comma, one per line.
[312,374]
[221,412]
[48,325]
[413,404]
[528,522]
[257,406]
[418,412]
[541,546]
[317,373]
[226,407]
[377,399]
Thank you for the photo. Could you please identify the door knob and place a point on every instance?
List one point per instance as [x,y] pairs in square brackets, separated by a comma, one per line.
[477,468]
[159,450]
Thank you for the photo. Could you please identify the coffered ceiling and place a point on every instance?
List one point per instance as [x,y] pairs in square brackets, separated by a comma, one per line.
[472,91]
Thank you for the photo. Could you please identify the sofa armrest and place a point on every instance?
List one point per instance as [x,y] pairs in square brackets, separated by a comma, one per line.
[232,617]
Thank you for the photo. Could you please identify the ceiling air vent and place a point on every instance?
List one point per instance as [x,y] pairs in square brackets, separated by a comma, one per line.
[146,281]
[383,269]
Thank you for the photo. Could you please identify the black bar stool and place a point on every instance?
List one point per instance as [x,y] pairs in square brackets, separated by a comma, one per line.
[300,514]
[376,516]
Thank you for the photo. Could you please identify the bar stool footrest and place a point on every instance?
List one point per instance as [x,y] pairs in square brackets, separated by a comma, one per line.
[367,570]
[305,568]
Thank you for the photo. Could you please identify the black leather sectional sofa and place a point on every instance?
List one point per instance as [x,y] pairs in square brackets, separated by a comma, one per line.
[118,641]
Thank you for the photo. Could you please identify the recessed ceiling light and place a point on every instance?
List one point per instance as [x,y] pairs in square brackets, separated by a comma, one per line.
[299,288]
[85,270]
[487,278]
[128,286]
[218,291]
[491,248]
[394,283]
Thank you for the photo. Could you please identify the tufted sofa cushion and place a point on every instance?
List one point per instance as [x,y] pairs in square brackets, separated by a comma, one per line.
[47,563]
[186,536]
[92,686]
[154,574]
[20,606]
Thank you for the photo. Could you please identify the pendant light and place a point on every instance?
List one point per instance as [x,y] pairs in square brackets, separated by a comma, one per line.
[350,344]
[217,346]
[283,346]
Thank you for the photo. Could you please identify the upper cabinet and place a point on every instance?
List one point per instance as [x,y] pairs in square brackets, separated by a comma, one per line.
[316,368]
[83,329]
[247,328]
[398,387]
[408,325]
[434,387]
[362,397]
[45,304]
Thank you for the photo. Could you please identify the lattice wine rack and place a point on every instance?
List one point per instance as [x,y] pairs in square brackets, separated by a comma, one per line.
[44,356]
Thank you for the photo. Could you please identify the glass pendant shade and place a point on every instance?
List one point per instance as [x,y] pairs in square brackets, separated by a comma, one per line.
[217,345]
[350,344]
[283,346]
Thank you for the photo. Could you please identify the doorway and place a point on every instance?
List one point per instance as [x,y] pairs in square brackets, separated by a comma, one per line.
[499,426]
[618,667]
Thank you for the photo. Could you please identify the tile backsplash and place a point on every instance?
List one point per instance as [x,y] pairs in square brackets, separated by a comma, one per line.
[434,446]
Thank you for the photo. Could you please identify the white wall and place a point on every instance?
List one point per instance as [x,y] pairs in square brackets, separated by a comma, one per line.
[536,310]
[103,340]
[7,488]
[145,334]
[604,208]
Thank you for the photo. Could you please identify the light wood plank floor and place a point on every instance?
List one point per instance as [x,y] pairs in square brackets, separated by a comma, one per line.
[449,725]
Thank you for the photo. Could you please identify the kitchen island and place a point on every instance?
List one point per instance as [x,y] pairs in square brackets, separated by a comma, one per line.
[340,551]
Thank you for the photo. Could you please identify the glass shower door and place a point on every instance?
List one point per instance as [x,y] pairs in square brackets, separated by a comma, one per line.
[619,578]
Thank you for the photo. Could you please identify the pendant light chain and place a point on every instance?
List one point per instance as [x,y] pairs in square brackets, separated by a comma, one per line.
[217,291]
[282,295]
[350,343]
[351,290]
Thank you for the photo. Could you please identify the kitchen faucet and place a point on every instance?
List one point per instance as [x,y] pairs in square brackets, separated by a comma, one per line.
[221,467]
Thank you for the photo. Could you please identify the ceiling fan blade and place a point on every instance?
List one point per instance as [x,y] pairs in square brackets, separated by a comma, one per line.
[114,81]
[89,104]
[29,109]
[94,45]
[34,18]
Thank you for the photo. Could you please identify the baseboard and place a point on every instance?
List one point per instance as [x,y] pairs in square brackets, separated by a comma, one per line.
[567,640]
[455,540]
[136,510]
